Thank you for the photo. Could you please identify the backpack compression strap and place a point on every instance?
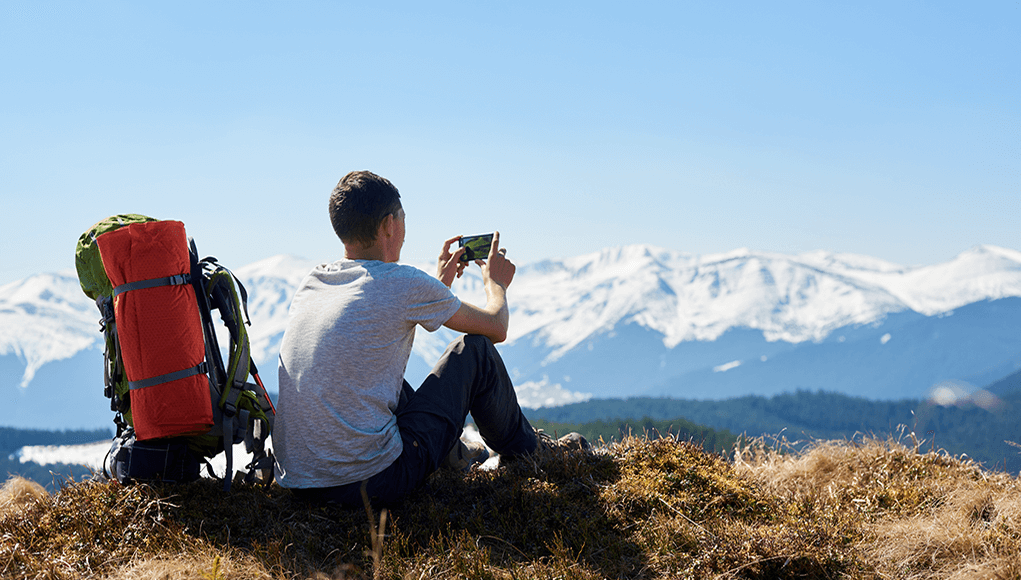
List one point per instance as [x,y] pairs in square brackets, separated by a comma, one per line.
[199,369]
[177,280]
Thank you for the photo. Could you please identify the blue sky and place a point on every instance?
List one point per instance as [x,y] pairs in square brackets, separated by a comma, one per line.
[891,129]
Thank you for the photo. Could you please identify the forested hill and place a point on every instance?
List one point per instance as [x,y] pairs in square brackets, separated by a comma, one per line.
[47,475]
[982,434]
[11,439]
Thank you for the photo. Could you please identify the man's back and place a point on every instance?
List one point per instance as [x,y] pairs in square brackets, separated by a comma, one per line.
[350,331]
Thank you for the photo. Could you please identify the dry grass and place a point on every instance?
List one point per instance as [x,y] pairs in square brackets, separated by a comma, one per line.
[19,494]
[917,515]
[640,508]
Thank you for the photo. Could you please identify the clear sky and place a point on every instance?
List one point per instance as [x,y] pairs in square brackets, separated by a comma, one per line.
[891,129]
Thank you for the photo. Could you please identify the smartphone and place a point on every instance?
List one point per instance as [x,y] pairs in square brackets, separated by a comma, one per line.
[476,247]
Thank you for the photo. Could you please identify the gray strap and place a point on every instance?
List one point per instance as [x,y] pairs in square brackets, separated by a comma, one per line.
[243,433]
[230,404]
[141,384]
[228,451]
[249,433]
[176,280]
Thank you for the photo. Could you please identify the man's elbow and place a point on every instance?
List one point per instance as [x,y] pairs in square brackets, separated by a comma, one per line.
[496,332]
[498,325]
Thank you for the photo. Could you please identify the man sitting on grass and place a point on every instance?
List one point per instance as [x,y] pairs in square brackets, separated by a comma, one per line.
[346,417]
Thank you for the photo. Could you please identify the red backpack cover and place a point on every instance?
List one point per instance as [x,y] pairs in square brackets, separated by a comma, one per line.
[159,328]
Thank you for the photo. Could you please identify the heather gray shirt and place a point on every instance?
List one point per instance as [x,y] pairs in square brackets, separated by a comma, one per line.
[349,334]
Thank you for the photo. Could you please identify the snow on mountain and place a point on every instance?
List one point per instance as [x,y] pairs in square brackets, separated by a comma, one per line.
[651,300]
[270,284]
[980,273]
[46,318]
[88,454]
[698,298]
[93,455]
[541,393]
[689,298]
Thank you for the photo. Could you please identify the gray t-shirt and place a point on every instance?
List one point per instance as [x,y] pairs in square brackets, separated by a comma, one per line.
[349,334]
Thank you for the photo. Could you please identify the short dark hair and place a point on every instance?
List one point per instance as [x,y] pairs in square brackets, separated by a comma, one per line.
[359,203]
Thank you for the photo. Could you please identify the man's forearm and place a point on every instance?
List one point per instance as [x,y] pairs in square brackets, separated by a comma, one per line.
[496,303]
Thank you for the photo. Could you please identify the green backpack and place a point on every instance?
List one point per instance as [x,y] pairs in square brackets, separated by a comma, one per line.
[178,400]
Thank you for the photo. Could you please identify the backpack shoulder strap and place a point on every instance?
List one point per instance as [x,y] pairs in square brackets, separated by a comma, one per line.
[246,409]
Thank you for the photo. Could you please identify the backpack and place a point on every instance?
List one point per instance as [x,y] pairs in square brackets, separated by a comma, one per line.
[177,404]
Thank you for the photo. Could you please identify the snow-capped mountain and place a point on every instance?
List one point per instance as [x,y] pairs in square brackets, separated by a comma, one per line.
[636,320]
[643,320]
[788,298]
[45,318]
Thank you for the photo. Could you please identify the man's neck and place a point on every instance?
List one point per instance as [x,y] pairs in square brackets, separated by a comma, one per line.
[360,252]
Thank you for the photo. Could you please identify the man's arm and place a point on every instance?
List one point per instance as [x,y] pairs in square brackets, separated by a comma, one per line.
[493,320]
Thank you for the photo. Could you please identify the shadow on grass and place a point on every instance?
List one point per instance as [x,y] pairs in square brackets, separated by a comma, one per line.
[542,509]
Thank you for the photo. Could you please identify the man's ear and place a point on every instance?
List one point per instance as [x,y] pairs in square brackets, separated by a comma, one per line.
[386,227]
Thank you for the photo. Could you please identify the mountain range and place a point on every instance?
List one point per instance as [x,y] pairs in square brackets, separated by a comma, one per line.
[628,321]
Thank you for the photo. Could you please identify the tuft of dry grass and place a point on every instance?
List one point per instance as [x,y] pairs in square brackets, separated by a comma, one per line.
[207,566]
[916,515]
[639,508]
[19,493]
[83,528]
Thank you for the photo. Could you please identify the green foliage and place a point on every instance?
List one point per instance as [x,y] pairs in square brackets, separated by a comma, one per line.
[967,429]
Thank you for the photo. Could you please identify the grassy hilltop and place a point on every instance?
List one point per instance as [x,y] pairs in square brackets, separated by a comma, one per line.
[639,508]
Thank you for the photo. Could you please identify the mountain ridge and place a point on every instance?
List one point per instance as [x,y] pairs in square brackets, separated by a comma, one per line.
[633,320]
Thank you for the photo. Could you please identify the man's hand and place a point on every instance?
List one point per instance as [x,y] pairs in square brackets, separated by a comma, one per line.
[497,268]
[494,319]
[449,264]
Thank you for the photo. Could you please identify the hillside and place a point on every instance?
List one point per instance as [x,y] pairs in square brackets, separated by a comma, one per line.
[977,426]
[49,476]
[640,508]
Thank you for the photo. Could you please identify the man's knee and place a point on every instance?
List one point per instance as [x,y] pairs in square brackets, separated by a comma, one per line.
[471,343]
[477,341]
[472,347]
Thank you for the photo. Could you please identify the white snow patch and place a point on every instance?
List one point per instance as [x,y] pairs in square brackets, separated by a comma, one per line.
[88,454]
[46,318]
[92,455]
[538,394]
[727,366]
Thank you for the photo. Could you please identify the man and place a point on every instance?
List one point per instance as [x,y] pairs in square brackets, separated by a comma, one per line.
[346,417]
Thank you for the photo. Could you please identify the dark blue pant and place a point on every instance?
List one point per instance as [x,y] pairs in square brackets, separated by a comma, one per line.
[469,377]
